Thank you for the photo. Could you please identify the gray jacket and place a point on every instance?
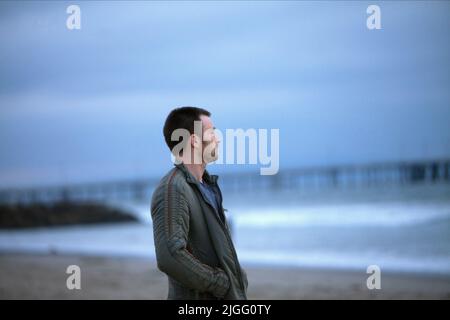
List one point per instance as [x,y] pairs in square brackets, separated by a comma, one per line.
[193,246]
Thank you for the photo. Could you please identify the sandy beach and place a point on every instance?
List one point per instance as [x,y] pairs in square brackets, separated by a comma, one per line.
[27,276]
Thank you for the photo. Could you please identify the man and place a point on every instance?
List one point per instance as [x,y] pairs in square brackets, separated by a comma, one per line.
[192,238]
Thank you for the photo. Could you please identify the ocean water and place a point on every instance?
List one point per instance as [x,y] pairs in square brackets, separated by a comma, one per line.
[401,230]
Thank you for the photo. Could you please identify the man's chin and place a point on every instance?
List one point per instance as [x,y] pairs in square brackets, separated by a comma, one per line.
[209,160]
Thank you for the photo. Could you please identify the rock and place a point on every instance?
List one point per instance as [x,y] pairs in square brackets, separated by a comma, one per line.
[60,213]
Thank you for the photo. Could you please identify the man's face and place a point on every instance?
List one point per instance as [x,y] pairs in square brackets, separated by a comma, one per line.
[210,148]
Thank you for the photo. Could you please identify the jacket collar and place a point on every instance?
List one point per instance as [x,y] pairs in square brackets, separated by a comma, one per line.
[208,178]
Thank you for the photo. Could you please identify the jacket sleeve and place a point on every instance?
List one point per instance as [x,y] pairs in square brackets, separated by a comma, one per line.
[170,214]
[244,278]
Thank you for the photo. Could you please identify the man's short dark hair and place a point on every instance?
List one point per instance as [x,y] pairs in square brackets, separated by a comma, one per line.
[182,118]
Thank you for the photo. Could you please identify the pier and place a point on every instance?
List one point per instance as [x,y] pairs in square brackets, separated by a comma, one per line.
[344,176]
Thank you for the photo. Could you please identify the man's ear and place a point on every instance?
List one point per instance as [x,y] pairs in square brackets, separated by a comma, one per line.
[195,141]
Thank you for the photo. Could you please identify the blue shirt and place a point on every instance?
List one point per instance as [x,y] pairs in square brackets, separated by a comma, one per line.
[211,196]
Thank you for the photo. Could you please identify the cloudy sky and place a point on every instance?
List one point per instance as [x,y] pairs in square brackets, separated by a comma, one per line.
[89,104]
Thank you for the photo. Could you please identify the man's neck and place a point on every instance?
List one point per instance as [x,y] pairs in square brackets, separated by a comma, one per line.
[196,170]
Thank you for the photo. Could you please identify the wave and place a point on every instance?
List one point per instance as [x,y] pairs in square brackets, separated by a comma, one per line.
[385,215]
[136,240]
[334,260]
